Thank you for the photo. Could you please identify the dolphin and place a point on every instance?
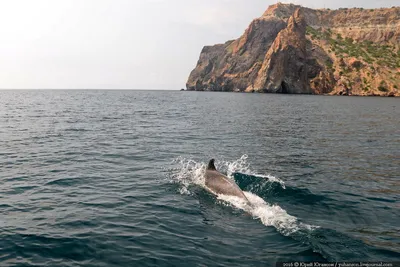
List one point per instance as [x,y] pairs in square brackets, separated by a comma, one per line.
[218,183]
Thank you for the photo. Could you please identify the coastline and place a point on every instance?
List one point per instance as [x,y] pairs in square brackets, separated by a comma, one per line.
[270,93]
[292,49]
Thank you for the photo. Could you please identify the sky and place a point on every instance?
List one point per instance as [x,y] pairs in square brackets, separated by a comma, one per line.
[121,44]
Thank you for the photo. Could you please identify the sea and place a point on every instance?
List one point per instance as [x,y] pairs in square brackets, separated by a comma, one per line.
[115,178]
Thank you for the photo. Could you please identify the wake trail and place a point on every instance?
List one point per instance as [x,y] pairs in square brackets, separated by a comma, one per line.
[189,172]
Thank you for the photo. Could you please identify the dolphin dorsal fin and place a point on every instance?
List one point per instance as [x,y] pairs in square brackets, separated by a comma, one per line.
[211,165]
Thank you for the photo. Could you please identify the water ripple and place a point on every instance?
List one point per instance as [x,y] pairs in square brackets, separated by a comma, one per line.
[86,178]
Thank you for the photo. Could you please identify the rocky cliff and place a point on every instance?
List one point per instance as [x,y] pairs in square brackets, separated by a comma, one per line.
[293,49]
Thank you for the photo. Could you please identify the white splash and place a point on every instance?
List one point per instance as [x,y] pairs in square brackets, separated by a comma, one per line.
[241,166]
[189,172]
[272,179]
[269,215]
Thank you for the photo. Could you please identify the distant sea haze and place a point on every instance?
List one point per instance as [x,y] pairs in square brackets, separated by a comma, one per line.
[115,178]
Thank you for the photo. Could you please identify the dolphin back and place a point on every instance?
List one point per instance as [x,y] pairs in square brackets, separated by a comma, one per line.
[220,184]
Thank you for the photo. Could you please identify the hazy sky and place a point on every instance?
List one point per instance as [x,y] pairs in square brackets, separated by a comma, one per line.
[138,44]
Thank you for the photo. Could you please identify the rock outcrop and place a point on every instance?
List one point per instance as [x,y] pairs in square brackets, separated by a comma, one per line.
[293,49]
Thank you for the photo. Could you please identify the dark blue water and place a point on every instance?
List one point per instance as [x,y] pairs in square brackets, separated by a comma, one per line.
[113,178]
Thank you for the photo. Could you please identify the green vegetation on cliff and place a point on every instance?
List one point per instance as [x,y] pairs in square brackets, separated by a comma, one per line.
[295,49]
[354,61]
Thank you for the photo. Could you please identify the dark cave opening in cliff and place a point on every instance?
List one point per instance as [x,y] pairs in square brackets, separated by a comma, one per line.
[284,88]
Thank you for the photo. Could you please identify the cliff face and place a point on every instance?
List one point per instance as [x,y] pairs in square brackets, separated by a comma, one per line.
[293,49]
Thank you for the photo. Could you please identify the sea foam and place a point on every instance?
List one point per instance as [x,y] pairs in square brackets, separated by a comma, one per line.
[188,172]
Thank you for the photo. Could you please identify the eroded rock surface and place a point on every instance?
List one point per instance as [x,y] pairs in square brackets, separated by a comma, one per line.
[294,49]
